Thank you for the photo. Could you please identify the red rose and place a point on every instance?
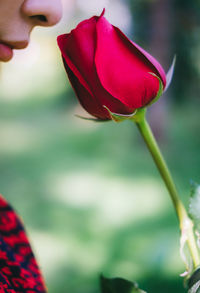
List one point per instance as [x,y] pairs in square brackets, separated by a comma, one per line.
[105,68]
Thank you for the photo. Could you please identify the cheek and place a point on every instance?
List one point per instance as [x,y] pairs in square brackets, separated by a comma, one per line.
[8,10]
[12,24]
[15,30]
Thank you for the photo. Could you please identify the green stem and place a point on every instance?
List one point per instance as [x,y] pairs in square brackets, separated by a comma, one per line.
[186,224]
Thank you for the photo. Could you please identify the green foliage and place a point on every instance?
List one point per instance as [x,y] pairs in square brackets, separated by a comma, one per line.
[91,198]
[118,285]
[90,195]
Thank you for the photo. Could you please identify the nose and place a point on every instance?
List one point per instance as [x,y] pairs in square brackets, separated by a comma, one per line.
[42,12]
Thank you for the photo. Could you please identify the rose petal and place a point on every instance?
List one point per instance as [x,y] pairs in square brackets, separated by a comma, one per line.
[87,101]
[122,68]
[77,49]
[154,62]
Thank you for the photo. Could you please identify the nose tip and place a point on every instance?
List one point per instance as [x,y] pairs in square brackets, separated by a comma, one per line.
[43,13]
[54,14]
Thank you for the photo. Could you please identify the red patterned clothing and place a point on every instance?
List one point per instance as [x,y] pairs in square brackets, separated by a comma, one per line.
[19,272]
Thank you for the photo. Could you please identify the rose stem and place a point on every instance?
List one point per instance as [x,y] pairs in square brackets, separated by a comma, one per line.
[186,224]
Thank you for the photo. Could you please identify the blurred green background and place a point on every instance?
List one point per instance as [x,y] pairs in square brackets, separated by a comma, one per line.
[89,193]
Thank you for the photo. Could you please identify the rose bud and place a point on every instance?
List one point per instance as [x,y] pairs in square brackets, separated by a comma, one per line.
[109,73]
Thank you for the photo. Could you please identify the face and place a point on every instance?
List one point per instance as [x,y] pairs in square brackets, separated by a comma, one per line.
[19,17]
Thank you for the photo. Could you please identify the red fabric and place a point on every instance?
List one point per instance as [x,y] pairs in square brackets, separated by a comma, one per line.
[19,272]
[106,68]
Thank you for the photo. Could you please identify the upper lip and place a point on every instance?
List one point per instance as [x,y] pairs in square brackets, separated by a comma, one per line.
[16,44]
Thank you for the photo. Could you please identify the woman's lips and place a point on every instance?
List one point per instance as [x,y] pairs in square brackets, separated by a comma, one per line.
[6,49]
[6,52]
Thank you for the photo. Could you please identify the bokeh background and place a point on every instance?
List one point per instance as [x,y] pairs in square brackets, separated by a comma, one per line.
[89,193]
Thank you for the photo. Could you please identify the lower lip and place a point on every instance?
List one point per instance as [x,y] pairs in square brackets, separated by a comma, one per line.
[6,53]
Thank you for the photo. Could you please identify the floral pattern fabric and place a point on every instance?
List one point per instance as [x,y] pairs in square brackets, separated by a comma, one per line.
[19,272]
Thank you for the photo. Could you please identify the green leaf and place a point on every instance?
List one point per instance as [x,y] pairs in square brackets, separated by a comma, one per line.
[194,282]
[118,285]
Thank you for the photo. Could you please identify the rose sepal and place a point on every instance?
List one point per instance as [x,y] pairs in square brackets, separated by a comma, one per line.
[160,90]
[136,116]
[91,119]
[170,74]
[116,117]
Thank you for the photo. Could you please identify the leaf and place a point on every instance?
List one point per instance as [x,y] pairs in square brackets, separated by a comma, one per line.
[194,282]
[170,74]
[118,285]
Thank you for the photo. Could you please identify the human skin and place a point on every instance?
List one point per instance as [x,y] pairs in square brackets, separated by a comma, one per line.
[19,17]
